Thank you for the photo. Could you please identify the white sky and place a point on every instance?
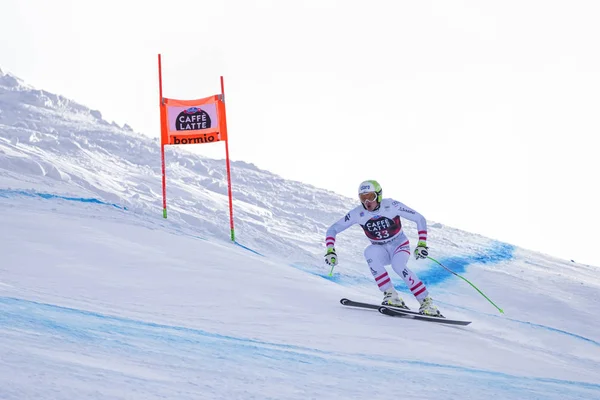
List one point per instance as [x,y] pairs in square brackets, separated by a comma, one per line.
[480,114]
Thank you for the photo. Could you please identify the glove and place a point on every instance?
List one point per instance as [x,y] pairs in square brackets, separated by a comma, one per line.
[331,257]
[422,251]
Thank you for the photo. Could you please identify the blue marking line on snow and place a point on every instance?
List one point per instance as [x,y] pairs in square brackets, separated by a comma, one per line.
[495,254]
[574,335]
[66,327]
[558,331]
[432,276]
[248,248]
[312,269]
[549,328]
[337,278]
[12,193]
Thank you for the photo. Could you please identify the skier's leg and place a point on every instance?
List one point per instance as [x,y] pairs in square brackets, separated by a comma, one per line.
[378,257]
[399,261]
[416,286]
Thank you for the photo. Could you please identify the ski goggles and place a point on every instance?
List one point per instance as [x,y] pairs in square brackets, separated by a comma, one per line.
[370,197]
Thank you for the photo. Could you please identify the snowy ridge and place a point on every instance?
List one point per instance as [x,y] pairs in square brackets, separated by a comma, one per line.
[46,136]
[100,297]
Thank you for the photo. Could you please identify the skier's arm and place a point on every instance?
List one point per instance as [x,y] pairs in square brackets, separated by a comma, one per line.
[344,223]
[406,212]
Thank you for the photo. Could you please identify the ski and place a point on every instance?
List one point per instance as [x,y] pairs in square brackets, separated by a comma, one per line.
[358,304]
[400,312]
[394,312]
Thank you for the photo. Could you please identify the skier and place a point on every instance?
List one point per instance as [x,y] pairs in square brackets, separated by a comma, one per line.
[380,220]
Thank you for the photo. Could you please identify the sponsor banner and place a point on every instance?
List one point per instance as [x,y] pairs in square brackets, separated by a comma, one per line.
[193,121]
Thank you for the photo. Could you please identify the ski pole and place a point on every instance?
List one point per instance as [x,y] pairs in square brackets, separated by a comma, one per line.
[331,271]
[466,280]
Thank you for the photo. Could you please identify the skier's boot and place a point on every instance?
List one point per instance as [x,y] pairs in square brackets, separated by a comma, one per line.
[391,298]
[428,308]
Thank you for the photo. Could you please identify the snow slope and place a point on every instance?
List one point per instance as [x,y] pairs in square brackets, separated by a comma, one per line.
[100,297]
